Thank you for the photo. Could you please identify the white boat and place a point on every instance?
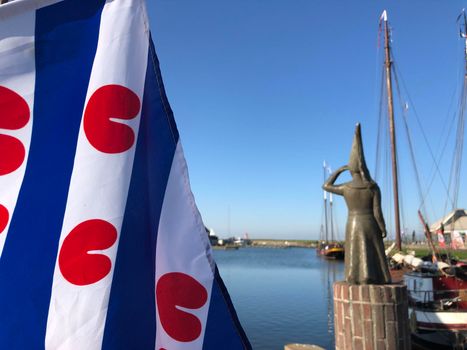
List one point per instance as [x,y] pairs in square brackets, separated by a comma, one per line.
[437,310]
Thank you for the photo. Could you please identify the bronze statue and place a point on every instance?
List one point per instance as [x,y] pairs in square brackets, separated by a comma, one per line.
[365,259]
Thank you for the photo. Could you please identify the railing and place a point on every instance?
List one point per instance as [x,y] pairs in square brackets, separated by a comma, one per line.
[439,300]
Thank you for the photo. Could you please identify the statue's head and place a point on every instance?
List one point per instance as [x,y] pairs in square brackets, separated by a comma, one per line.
[357,164]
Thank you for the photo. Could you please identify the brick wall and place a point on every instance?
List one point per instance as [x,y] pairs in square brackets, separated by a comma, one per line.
[371,317]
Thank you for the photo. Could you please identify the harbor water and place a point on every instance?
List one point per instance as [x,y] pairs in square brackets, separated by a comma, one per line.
[282,295]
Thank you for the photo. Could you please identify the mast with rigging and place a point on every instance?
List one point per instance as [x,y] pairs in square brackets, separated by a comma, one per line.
[387,65]
[331,218]
[325,205]
[456,166]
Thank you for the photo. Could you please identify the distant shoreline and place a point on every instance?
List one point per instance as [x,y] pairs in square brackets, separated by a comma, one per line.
[420,249]
[272,243]
[283,243]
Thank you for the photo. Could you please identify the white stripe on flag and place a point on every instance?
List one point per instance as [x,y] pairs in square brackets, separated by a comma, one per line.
[100,180]
[184,266]
[17,79]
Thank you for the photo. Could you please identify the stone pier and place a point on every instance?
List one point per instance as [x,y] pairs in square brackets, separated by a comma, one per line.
[371,317]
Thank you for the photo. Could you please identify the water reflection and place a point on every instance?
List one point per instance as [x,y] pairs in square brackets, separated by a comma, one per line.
[281,295]
[329,273]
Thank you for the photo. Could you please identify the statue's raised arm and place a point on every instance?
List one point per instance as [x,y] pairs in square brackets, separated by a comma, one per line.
[329,185]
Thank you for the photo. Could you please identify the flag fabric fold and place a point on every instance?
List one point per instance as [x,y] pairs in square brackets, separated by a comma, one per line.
[101,243]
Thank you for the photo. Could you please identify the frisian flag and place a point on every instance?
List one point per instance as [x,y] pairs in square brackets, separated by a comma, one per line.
[456,240]
[101,243]
[441,240]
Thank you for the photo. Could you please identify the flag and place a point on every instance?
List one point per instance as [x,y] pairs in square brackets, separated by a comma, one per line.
[441,241]
[456,240]
[101,243]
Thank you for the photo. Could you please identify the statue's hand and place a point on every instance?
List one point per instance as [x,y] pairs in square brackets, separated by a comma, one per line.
[384,234]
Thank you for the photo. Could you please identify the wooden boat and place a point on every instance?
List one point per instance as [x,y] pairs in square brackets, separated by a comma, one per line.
[437,289]
[437,302]
[333,250]
[437,309]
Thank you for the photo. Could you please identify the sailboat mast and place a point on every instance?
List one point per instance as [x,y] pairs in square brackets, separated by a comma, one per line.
[325,205]
[387,64]
[331,220]
[464,36]
[330,210]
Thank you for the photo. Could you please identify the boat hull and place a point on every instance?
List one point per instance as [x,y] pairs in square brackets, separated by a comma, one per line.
[334,253]
[331,251]
[439,321]
[437,310]
[439,340]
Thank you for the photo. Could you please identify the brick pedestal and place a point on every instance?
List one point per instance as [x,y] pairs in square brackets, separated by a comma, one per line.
[371,317]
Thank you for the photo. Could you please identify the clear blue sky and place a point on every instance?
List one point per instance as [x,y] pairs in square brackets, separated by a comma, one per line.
[264,90]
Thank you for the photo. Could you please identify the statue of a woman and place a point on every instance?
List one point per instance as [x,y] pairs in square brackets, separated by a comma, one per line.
[365,259]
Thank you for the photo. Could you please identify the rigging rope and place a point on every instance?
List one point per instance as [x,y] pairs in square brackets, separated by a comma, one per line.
[459,147]
[380,125]
[389,197]
[452,189]
[425,138]
[409,141]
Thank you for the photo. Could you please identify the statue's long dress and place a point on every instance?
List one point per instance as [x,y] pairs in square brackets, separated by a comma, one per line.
[363,241]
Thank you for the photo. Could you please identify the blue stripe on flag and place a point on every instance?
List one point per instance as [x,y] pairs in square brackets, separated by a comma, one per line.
[223,329]
[131,318]
[65,44]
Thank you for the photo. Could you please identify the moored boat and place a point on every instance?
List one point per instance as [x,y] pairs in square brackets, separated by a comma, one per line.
[329,248]
[437,309]
[332,250]
[437,297]
[437,289]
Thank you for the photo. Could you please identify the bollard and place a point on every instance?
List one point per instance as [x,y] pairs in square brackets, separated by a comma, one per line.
[371,317]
